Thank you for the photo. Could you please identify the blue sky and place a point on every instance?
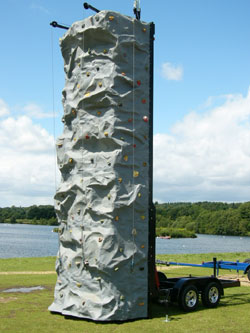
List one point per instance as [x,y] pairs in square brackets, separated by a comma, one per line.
[201,108]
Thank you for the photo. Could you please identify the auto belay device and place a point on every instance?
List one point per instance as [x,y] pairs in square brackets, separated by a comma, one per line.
[106,257]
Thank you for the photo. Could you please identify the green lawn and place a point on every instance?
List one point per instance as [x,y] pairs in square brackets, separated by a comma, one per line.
[25,313]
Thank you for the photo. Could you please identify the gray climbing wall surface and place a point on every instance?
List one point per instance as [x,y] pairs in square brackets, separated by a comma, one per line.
[102,202]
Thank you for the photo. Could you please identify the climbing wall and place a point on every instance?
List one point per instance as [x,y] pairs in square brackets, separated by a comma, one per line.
[102,203]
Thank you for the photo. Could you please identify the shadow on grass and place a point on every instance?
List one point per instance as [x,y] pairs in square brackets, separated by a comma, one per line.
[172,310]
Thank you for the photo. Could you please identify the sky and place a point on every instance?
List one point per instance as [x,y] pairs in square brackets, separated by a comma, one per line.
[201,97]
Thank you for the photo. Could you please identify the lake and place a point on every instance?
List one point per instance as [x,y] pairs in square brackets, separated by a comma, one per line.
[20,240]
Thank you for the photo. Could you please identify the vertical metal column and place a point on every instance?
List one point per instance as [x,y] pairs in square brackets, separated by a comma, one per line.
[152,290]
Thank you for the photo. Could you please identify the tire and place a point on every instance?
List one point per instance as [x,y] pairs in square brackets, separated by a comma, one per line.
[189,298]
[248,274]
[211,295]
[247,261]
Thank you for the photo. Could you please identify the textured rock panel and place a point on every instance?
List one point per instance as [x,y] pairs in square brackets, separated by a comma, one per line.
[103,155]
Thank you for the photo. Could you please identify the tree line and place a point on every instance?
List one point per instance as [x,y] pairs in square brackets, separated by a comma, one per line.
[43,214]
[216,218]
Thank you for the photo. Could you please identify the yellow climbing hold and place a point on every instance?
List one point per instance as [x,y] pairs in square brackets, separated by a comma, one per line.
[79,285]
[117,218]
[143,217]
[125,158]
[106,134]
[100,84]
[105,51]
[141,304]
[139,195]
[78,85]
[136,174]
[120,180]
[88,74]
[142,246]
[111,18]
[70,160]
[87,94]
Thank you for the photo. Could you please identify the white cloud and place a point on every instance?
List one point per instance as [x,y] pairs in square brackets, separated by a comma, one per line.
[35,111]
[206,156]
[172,72]
[27,168]
[4,109]
[40,8]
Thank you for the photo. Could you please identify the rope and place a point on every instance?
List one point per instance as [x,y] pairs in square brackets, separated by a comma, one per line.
[133,75]
[54,120]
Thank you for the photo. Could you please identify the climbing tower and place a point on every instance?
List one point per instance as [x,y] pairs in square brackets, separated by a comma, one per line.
[105,262]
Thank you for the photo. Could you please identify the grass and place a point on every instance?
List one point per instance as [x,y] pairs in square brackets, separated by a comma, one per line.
[22,313]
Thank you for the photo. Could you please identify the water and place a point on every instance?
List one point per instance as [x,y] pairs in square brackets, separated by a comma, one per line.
[19,240]
[23,240]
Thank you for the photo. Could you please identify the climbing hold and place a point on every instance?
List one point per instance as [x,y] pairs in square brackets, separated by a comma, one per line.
[120,180]
[134,232]
[106,134]
[105,51]
[117,218]
[144,29]
[99,113]
[111,18]
[130,120]
[59,145]
[87,94]
[141,304]
[87,137]
[138,82]
[135,174]
[142,246]
[125,158]
[79,285]
[123,74]
[122,297]
[121,249]
[100,84]
[83,302]
[145,118]
[142,217]
[88,74]
[139,195]
[116,269]
[134,145]
[143,101]
[73,112]
[70,160]
[100,239]
[78,85]
[144,164]
[109,196]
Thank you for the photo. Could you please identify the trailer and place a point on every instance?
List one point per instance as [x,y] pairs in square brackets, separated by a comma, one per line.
[216,265]
[185,291]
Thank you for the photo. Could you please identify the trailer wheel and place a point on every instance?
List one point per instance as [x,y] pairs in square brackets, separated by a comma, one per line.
[248,274]
[211,295]
[247,261]
[189,298]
